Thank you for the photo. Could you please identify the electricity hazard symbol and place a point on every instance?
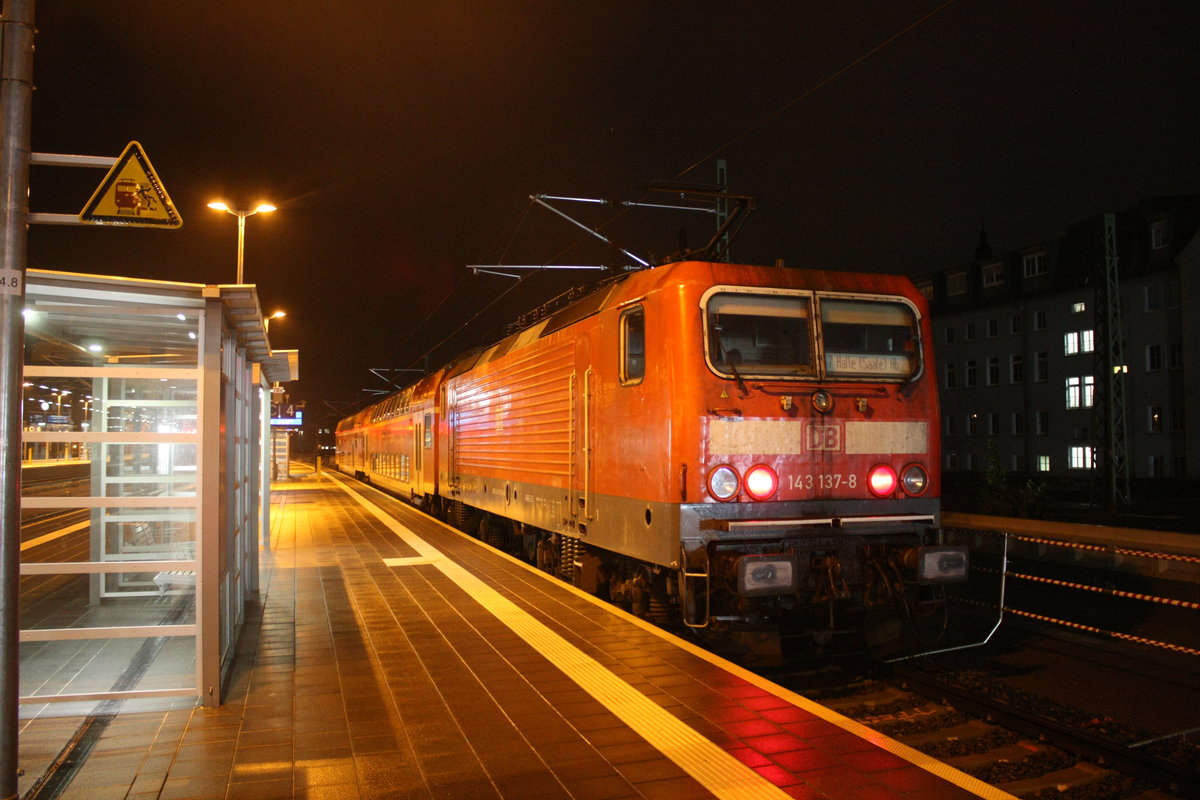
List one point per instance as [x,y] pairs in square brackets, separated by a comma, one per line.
[131,194]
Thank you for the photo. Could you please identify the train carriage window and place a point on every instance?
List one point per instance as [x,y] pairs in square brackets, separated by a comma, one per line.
[869,338]
[633,346]
[753,335]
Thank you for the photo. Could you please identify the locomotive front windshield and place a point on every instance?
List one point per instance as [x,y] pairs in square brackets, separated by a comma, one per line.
[774,336]
[760,335]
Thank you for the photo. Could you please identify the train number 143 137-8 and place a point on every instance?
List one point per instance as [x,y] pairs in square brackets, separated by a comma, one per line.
[823,482]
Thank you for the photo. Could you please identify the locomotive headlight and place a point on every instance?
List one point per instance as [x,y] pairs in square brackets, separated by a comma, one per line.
[822,401]
[882,481]
[723,483]
[761,482]
[914,479]
[766,575]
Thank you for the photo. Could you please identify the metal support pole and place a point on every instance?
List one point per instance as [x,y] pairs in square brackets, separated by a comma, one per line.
[241,243]
[16,92]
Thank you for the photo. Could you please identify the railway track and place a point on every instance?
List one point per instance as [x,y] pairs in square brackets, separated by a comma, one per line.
[1027,745]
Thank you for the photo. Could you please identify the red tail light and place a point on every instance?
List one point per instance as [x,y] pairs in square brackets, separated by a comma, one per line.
[882,481]
[761,482]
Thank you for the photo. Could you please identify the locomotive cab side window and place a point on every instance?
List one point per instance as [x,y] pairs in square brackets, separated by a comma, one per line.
[633,346]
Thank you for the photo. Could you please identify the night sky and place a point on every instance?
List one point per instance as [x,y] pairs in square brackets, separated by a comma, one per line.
[401,140]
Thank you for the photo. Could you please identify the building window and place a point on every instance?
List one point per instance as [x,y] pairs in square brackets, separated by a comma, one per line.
[1172,289]
[1160,234]
[970,461]
[1081,391]
[1082,457]
[1175,355]
[1156,467]
[993,424]
[1014,324]
[993,328]
[956,284]
[993,274]
[1071,343]
[1016,369]
[1079,342]
[1034,264]
[969,378]
[926,288]
[972,424]
[1043,463]
[1154,419]
[1153,357]
[1154,299]
[948,371]
[1041,423]
[1041,367]
[1039,320]
[1175,419]
[1078,308]
[1018,423]
[949,425]
[969,332]
[993,371]
[949,334]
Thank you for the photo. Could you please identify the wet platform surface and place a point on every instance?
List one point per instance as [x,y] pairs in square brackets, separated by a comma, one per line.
[392,657]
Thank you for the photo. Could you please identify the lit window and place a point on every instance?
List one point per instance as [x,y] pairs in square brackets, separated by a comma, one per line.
[1082,457]
[1154,419]
[1043,463]
[1081,392]
[1087,341]
[1078,308]
[1071,343]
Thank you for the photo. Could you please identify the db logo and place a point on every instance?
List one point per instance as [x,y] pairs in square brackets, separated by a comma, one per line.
[823,437]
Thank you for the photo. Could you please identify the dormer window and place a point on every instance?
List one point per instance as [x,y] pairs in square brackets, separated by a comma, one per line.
[1160,235]
[1033,264]
[956,284]
[993,274]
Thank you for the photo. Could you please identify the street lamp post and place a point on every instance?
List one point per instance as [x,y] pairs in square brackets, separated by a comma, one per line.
[267,320]
[241,218]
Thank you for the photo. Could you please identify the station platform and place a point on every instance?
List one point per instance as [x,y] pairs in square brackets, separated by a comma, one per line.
[390,656]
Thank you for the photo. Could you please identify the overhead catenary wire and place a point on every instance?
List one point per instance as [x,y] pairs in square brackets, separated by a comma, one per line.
[619,213]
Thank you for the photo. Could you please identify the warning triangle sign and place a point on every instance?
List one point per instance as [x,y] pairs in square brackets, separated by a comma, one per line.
[131,194]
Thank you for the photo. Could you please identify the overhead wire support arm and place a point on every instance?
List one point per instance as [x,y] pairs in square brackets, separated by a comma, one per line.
[670,208]
[540,201]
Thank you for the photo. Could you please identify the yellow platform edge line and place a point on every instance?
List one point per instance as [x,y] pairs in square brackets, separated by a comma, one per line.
[928,763]
[714,768]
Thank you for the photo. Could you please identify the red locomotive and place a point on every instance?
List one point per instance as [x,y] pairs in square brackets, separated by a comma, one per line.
[742,447]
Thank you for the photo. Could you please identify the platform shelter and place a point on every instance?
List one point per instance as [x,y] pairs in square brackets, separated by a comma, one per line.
[144,485]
